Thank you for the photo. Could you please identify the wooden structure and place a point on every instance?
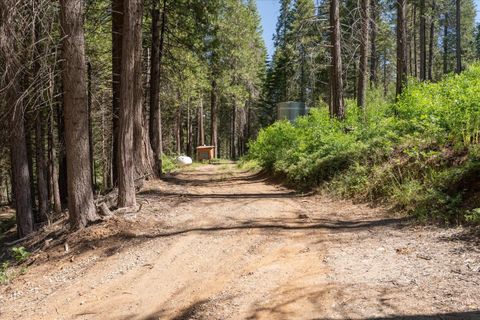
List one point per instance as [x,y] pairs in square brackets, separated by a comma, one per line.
[205,153]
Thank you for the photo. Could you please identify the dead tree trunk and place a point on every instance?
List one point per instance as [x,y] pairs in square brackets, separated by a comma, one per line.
[80,201]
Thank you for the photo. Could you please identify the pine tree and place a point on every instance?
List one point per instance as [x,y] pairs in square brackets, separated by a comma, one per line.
[80,200]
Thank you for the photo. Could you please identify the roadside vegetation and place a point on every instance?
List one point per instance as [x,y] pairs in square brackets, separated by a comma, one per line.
[421,154]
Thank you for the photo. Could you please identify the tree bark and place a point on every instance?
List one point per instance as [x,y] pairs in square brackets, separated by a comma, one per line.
[80,201]
[415,58]
[201,128]
[20,172]
[363,65]
[213,115]
[141,151]
[458,38]
[90,124]
[374,56]
[337,102]
[62,155]
[423,42]
[445,44]
[155,127]
[401,46]
[178,129]
[41,167]
[431,40]
[125,165]
[20,169]
[29,123]
[117,29]
[234,131]
[52,158]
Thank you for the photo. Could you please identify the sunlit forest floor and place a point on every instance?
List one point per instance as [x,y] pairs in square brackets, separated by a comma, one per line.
[215,242]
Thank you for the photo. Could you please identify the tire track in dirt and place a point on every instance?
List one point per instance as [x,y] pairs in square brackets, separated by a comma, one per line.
[232,245]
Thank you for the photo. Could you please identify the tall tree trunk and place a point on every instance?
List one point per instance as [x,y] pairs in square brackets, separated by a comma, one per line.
[90,124]
[141,151]
[445,44]
[41,167]
[423,42]
[80,200]
[20,169]
[234,131]
[155,126]
[249,121]
[178,130]
[401,45]
[431,40]
[189,131]
[28,120]
[201,128]
[62,153]
[337,102]
[10,55]
[117,31]
[52,158]
[303,83]
[385,80]
[458,38]
[126,169]
[213,115]
[374,56]
[363,65]
[415,58]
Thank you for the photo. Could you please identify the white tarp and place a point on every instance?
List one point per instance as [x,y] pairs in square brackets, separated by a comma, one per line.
[184,161]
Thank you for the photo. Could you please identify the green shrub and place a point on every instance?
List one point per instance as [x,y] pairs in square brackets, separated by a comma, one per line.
[20,254]
[168,164]
[3,272]
[419,154]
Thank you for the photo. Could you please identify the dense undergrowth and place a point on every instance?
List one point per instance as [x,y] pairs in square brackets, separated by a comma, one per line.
[421,154]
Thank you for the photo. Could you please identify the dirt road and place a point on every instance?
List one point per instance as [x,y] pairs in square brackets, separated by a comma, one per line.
[218,243]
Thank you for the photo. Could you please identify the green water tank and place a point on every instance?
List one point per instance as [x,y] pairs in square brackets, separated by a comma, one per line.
[290,110]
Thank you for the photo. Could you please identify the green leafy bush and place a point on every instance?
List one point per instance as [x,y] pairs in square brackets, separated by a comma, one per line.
[3,272]
[168,164]
[20,254]
[421,154]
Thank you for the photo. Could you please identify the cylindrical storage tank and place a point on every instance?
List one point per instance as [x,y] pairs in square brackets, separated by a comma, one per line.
[290,110]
